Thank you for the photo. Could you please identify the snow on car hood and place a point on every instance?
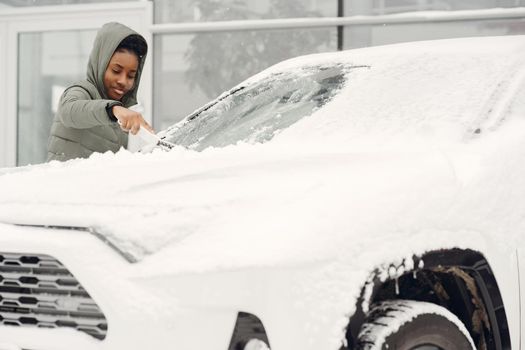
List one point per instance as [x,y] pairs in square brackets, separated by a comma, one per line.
[258,205]
[148,202]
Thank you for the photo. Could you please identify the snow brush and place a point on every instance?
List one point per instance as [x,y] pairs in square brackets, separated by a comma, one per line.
[145,141]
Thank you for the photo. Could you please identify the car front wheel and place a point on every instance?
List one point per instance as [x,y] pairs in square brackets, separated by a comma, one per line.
[413,325]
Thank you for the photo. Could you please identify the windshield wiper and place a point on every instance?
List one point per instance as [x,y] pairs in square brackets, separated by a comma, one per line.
[208,106]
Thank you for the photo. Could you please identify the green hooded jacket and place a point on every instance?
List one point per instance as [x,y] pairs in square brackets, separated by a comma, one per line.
[82,124]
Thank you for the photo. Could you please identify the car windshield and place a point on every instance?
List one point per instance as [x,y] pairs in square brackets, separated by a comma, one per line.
[258,111]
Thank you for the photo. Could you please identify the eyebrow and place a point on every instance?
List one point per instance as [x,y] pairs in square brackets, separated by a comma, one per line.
[120,66]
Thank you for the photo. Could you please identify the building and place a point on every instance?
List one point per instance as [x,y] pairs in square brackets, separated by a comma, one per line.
[199,48]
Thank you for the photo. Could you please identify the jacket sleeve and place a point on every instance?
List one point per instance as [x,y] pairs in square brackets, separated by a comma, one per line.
[77,110]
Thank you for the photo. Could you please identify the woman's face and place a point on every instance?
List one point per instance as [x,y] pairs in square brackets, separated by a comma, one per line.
[120,74]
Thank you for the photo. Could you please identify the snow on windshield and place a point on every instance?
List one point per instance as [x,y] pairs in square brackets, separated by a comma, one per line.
[256,112]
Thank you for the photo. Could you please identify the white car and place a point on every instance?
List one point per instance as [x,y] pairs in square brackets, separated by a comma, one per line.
[367,199]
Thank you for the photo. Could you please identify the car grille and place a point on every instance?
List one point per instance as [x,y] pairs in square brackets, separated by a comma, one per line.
[37,290]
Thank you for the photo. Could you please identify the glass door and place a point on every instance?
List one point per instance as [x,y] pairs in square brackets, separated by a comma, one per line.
[48,62]
[48,49]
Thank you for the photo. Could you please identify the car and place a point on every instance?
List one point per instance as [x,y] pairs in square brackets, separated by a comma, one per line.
[365,199]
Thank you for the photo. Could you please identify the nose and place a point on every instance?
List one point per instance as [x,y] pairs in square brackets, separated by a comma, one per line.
[124,81]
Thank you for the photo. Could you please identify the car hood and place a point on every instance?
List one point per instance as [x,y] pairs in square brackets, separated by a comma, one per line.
[259,205]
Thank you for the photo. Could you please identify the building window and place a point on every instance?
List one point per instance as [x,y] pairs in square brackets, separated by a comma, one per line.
[192,69]
[169,11]
[48,62]
[383,7]
[33,3]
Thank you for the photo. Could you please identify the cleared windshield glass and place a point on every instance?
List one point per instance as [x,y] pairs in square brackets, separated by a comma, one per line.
[257,112]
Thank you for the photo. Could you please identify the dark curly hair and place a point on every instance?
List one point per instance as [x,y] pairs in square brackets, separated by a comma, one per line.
[134,43]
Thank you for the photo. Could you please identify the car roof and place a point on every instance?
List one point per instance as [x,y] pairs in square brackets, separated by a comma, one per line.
[447,86]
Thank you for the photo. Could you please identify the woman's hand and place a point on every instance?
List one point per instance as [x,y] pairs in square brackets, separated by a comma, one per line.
[130,120]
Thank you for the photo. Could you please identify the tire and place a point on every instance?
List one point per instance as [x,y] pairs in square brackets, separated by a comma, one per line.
[412,325]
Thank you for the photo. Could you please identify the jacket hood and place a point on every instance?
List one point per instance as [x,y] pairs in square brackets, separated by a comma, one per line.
[107,40]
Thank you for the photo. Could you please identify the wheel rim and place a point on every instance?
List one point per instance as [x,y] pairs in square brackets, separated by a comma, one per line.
[426,347]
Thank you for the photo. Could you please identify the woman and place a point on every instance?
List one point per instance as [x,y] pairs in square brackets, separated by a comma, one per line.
[93,114]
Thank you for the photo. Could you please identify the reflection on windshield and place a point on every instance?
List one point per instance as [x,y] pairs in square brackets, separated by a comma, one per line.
[257,112]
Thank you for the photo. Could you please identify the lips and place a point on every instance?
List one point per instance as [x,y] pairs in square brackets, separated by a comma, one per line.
[118,92]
